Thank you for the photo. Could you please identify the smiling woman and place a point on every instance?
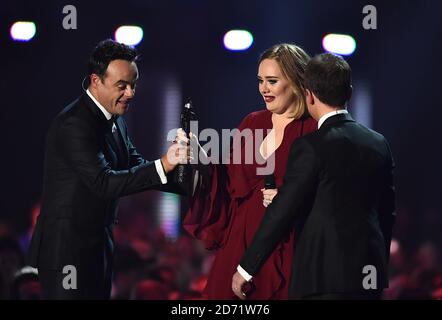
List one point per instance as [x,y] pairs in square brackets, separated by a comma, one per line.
[226,213]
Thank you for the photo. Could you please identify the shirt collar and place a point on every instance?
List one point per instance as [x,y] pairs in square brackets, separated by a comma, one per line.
[106,113]
[330,114]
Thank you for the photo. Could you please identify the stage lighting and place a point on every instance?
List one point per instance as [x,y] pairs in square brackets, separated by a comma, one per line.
[23,30]
[237,40]
[130,35]
[394,246]
[339,43]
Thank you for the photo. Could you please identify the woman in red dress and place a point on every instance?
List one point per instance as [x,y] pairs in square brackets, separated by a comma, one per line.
[226,212]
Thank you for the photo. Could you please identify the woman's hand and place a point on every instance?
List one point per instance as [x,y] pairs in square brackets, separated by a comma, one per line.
[268,195]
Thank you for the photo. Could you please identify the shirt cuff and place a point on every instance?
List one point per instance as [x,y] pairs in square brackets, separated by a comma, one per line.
[244,273]
[160,171]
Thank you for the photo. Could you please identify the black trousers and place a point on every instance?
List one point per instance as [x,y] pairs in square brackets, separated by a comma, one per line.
[51,282]
[89,287]
[92,279]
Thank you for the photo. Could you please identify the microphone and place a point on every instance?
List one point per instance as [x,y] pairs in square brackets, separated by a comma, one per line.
[269,182]
[183,172]
[82,83]
[248,288]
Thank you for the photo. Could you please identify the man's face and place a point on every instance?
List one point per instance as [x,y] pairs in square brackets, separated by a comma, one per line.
[117,88]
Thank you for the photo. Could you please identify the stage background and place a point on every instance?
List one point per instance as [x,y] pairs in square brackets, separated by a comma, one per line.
[396,72]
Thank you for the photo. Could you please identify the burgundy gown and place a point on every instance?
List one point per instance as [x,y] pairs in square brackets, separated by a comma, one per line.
[226,212]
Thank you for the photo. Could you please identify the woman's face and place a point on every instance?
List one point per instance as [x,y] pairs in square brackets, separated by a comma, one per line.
[275,88]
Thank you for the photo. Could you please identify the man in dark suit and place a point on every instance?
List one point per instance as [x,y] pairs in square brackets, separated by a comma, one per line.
[90,162]
[339,187]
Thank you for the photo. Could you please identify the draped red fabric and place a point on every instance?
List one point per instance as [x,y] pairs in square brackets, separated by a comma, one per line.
[227,208]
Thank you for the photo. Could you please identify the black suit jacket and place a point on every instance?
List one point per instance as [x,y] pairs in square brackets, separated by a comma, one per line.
[339,188]
[85,174]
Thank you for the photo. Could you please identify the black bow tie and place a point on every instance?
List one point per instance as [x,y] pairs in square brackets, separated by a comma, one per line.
[112,120]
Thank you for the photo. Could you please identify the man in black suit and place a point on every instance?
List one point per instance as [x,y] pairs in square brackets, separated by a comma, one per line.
[339,187]
[90,162]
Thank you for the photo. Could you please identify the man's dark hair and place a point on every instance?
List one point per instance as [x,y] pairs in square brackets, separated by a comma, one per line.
[328,76]
[107,51]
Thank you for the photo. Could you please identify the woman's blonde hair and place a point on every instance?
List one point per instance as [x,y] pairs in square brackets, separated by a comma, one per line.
[292,60]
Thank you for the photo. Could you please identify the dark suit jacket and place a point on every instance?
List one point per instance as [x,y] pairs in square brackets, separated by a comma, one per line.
[339,187]
[85,174]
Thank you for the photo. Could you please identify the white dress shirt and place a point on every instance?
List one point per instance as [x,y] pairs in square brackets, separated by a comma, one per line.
[108,116]
[330,114]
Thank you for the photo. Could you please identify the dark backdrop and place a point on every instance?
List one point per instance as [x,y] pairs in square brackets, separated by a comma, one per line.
[400,61]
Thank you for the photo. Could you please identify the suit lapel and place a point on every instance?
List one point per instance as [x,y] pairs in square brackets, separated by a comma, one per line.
[94,109]
[120,159]
[125,155]
[112,148]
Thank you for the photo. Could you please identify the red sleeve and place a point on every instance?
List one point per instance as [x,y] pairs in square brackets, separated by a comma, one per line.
[208,215]
[210,209]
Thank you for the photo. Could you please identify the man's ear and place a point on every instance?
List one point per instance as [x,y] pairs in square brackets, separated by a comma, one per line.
[309,96]
[94,79]
[350,91]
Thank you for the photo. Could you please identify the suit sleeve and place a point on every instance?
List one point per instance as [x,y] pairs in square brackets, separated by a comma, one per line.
[387,207]
[136,159]
[299,184]
[80,147]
